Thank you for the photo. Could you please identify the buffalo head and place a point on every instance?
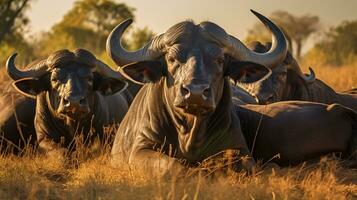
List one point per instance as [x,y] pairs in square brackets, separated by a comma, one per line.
[284,74]
[71,79]
[193,62]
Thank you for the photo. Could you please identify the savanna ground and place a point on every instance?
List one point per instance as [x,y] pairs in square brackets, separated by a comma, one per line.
[89,175]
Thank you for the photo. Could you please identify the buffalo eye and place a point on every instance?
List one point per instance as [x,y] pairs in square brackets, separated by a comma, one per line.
[283,74]
[171,59]
[54,79]
[57,76]
[219,61]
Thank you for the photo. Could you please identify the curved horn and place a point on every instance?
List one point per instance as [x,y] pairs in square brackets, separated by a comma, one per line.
[275,55]
[293,65]
[309,78]
[36,70]
[120,56]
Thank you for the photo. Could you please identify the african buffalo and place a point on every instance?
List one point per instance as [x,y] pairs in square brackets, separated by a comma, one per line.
[287,82]
[76,94]
[298,130]
[17,130]
[185,107]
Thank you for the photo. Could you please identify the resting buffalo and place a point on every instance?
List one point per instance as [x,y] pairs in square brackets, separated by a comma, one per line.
[76,94]
[287,82]
[17,114]
[298,130]
[185,107]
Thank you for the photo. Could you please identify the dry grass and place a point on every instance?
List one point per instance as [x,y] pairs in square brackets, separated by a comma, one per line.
[38,177]
[92,177]
[341,78]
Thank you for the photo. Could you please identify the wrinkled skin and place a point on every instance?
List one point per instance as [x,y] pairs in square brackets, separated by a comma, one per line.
[72,99]
[270,89]
[287,83]
[298,130]
[185,107]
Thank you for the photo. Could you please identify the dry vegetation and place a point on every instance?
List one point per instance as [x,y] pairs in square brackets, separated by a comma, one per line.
[35,177]
[341,78]
[90,176]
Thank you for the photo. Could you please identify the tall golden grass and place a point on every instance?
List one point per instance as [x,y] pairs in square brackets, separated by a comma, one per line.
[39,177]
[89,175]
[341,78]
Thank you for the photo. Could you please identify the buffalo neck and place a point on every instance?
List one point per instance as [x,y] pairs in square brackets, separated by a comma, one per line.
[317,91]
[201,136]
[294,88]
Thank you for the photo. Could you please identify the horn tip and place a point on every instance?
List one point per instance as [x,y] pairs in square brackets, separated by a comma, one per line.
[128,21]
[260,16]
[13,55]
[311,70]
[255,12]
[11,58]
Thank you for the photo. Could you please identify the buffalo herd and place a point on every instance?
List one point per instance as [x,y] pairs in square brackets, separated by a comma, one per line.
[188,95]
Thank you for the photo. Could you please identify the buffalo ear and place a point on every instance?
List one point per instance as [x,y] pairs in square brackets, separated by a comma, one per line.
[143,72]
[30,87]
[108,86]
[246,72]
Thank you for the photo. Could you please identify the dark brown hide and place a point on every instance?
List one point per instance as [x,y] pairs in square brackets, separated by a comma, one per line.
[297,130]
[76,95]
[17,129]
[288,83]
[184,110]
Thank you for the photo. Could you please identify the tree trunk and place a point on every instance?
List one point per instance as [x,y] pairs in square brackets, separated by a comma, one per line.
[298,49]
[6,27]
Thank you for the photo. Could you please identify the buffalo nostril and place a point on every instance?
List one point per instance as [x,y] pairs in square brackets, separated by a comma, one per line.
[185,91]
[66,102]
[206,92]
[82,101]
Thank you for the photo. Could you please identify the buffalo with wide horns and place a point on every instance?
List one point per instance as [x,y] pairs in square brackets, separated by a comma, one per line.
[185,109]
[76,95]
[288,82]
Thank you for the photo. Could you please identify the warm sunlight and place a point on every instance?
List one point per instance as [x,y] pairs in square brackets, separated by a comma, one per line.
[152,99]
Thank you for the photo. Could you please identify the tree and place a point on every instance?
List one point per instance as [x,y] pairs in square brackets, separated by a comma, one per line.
[86,25]
[12,16]
[12,25]
[339,44]
[16,43]
[297,29]
[140,37]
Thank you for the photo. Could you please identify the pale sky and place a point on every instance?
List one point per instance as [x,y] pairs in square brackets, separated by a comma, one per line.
[232,15]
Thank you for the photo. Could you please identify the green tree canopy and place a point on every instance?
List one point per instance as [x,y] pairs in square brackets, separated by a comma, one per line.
[86,25]
[339,44]
[12,25]
[140,37]
[12,17]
